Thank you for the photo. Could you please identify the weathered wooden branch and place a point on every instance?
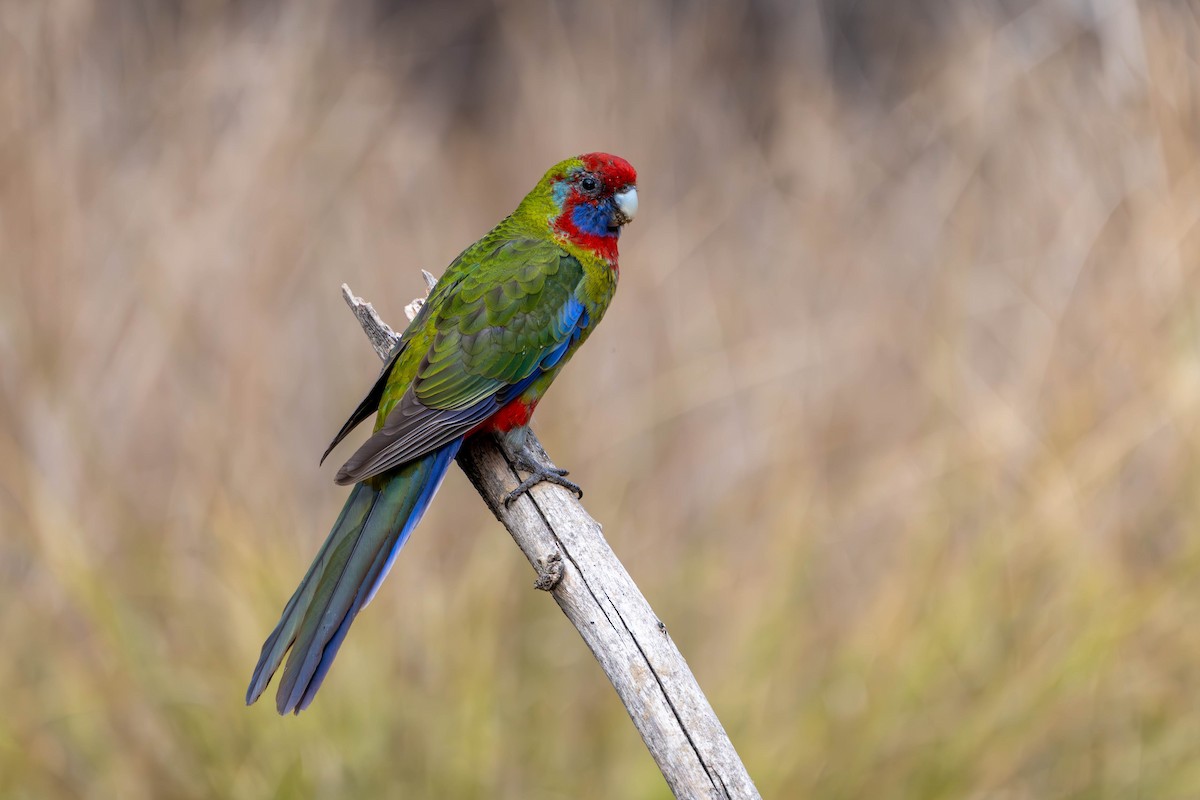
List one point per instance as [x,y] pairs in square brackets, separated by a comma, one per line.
[576,565]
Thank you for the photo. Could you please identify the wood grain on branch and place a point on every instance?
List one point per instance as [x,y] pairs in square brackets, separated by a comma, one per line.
[576,565]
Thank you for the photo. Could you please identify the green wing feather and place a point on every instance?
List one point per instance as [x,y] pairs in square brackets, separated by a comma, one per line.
[493,317]
[500,323]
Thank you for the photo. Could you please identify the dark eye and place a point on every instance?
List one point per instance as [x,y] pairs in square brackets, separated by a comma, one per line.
[589,184]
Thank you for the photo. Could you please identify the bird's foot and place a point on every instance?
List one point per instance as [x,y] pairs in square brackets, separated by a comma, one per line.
[538,473]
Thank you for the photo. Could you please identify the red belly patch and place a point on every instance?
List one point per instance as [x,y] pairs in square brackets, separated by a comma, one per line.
[513,415]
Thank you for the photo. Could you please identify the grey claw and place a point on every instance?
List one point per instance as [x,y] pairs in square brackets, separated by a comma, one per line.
[554,475]
[526,461]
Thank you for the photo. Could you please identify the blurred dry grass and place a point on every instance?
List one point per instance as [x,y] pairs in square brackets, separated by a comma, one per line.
[894,419]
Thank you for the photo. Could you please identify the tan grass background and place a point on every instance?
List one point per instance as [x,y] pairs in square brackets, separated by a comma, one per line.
[894,419]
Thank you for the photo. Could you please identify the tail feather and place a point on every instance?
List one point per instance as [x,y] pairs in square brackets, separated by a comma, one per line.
[344,577]
[354,513]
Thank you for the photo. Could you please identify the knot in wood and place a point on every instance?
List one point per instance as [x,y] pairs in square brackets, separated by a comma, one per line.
[550,572]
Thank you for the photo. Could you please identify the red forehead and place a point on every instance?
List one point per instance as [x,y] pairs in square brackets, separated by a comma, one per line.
[615,170]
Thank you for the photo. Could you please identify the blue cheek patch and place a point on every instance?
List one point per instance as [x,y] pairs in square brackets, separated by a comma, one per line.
[593,219]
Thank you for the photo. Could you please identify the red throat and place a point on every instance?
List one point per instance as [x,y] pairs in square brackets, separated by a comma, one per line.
[603,246]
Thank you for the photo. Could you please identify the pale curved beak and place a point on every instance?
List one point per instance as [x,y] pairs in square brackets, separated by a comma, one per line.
[627,204]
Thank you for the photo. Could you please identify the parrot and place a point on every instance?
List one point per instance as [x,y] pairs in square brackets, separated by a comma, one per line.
[494,332]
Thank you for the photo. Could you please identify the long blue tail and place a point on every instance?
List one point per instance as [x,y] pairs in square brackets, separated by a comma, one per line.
[374,524]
